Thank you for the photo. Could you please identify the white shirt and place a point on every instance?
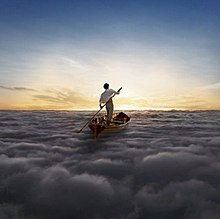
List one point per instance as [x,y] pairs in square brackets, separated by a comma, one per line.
[106,95]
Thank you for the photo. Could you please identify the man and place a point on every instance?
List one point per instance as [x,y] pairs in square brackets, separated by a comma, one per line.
[106,98]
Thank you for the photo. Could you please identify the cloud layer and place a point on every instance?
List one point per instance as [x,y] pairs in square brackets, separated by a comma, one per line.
[163,165]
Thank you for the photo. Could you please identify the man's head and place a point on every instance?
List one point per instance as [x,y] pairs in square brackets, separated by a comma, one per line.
[106,86]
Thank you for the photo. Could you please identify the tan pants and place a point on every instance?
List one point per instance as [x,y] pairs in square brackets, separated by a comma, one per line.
[109,109]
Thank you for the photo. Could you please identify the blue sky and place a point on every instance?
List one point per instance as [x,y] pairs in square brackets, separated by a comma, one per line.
[165,54]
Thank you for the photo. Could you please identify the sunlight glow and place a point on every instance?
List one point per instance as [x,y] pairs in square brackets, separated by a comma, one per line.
[63,65]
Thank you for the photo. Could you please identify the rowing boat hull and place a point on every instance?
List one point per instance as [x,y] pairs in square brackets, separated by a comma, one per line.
[98,125]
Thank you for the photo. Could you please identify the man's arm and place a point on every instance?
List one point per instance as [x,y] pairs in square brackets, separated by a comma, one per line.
[115,92]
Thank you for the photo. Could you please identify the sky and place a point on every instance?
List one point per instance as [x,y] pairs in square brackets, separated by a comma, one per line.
[58,54]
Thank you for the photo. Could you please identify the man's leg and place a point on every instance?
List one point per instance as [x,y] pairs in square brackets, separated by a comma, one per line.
[109,109]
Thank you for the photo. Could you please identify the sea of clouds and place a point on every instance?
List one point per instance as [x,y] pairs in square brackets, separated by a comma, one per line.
[163,165]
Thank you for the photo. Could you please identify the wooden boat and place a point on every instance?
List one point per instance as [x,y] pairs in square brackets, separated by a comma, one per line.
[99,124]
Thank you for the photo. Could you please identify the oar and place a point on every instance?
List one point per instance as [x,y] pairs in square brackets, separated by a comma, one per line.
[95,114]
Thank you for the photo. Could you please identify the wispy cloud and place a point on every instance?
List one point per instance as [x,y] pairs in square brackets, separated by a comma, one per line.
[16,88]
[75,63]
[63,98]
[45,98]
[215,86]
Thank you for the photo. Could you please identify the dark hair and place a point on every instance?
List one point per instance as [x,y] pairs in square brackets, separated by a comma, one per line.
[106,86]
